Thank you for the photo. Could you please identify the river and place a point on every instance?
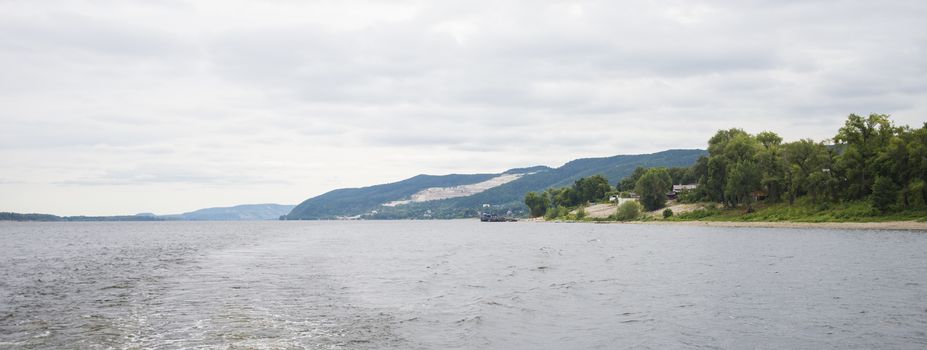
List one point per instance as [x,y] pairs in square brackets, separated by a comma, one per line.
[457,284]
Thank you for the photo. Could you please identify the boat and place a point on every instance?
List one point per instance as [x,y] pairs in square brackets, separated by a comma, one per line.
[489,217]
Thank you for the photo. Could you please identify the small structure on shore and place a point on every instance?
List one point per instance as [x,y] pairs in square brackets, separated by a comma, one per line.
[488,215]
[679,189]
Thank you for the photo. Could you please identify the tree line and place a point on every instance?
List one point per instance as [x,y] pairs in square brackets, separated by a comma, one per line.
[869,159]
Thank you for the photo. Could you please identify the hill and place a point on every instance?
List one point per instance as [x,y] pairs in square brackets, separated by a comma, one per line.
[239,212]
[460,196]
[11,216]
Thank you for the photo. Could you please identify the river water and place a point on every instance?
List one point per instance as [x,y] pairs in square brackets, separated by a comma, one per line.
[458,284]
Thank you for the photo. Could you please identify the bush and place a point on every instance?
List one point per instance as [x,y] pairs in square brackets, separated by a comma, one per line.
[629,210]
[667,213]
[556,212]
[580,213]
[698,214]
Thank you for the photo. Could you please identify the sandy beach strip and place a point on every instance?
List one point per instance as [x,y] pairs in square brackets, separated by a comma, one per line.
[888,225]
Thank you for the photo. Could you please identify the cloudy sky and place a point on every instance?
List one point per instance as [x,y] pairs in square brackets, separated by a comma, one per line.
[119,107]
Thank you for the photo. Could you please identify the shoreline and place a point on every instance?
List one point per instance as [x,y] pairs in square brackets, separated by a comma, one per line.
[884,225]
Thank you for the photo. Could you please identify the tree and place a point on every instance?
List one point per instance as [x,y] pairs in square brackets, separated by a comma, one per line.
[744,178]
[771,166]
[537,204]
[917,166]
[860,139]
[884,193]
[565,196]
[591,189]
[769,139]
[627,184]
[808,169]
[652,188]
[714,181]
[725,149]
[628,210]
[739,152]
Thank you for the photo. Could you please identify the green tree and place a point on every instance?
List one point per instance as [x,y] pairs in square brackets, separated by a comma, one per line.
[744,178]
[772,169]
[628,210]
[740,153]
[591,189]
[903,161]
[726,148]
[565,196]
[652,188]
[884,193]
[808,169]
[917,166]
[860,140]
[537,203]
[627,184]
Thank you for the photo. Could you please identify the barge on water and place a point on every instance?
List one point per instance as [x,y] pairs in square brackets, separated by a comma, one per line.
[487,217]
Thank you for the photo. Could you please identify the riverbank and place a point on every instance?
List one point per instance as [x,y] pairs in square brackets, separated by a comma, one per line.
[884,225]
[801,214]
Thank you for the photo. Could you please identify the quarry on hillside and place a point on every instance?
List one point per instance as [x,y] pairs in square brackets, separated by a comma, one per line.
[438,193]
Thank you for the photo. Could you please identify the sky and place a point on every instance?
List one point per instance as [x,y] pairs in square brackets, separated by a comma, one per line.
[118,107]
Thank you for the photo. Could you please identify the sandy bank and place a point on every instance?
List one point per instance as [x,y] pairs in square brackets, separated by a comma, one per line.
[889,225]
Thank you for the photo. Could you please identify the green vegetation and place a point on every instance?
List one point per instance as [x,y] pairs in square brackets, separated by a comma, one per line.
[537,204]
[629,210]
[802,210]
[555,202]
[652,187]
[508,197]
[651,184]
[870,160]
[871,170]
[678,175]
[8,216]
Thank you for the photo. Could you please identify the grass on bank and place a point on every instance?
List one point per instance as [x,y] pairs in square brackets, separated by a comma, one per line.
[803,210]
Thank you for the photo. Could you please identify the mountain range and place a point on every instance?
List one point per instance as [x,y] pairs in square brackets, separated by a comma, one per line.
[265,211]
[423,196]
[239,212]
[465,195]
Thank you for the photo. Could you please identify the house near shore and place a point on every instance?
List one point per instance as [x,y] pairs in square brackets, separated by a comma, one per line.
[618,199]
[759,195]
[678,189]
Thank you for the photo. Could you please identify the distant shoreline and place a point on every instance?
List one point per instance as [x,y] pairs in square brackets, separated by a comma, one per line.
[885,225]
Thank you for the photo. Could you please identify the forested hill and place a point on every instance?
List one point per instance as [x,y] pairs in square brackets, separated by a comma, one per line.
[242,212]
[268,211]
[423,196]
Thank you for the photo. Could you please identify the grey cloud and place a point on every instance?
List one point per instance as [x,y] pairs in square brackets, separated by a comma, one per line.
[149,90]
[167,176]
[77,35]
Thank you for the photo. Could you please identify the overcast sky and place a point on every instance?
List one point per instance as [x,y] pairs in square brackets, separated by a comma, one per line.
[119,107]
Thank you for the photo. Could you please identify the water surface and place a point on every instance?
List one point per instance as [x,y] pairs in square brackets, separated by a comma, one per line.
[458,284]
